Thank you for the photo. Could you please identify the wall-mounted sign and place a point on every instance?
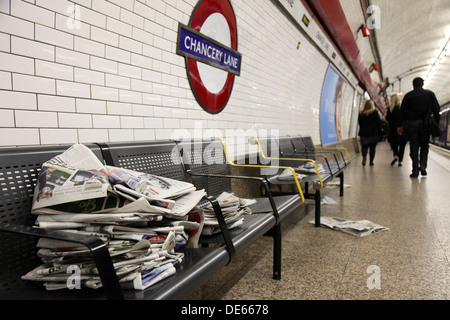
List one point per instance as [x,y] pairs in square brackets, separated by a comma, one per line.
[209,44]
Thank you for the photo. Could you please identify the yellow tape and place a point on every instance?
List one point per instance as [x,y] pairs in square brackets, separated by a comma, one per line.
[291,159]
[261,166]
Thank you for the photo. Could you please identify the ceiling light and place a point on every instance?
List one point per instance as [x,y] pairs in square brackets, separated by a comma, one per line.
[438,60]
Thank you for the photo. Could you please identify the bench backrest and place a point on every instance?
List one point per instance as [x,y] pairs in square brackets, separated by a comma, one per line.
[158,157]
[206,157]
[286,147]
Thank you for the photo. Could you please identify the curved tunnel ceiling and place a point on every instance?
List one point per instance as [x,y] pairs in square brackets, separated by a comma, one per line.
[409,37]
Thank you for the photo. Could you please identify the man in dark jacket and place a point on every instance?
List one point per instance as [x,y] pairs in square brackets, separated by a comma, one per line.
[415,106]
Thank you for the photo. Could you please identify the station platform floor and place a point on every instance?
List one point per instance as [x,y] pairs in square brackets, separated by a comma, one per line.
[412,258]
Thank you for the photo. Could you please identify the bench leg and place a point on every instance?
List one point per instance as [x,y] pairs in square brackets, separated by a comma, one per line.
[317,204]
[341,185]
[277,252]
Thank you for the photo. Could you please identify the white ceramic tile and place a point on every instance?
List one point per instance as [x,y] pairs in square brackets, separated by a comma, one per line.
[118,27]
[90,47]
[7,118]
[89,76]
[130,96]
[142,110]
[55,103]
[16,26]
[5,80]
[73,89]
[72,58]
[129,44]
[92,17]
[144,134]
[104,93]
[19,136]
[35,119]
[106,8]
[153,123]
[116,54]
[17,100]
[121,134]
[54,37]
[33,84]
[92,135]
[106,121]
[73,120]
[58,136]
[54,70]
[131,122]
[25,47]
[147,10]
[118,81]
[14,63]
[105,65]
[130,71]
[90,106]
[119,108]
[104,36]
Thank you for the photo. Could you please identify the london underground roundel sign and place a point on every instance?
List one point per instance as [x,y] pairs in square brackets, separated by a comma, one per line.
[209,44]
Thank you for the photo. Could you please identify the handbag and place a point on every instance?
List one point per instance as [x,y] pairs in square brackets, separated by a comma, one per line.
[431,124]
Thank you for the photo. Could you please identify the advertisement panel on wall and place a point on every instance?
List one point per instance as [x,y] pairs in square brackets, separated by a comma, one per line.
[331,106]
[346,112]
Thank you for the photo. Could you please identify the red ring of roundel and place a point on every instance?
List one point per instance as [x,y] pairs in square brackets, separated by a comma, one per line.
[211,102]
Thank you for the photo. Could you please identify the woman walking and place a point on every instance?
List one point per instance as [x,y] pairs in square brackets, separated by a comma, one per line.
[369,131]
[396,140]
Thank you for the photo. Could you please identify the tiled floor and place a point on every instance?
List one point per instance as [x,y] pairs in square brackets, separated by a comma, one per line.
[413,257]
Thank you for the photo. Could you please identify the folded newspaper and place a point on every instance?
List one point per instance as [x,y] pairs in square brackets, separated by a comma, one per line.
[143,218]
[358,228]
[286,175]
[233,210]
[310,168]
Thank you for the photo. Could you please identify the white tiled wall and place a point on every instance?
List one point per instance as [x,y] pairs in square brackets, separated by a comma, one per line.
[112,74]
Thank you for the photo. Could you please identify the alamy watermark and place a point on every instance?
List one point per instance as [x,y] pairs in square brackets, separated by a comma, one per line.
[240,145]
[374,19]
[74,19]
[374,280]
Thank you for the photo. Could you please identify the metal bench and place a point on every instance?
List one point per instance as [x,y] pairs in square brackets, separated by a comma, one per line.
[284,152]
[209,165]
[19,168]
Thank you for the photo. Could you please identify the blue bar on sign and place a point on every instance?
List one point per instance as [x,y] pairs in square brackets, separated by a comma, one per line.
[196,46]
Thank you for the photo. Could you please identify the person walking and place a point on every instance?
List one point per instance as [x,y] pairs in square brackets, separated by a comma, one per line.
[369,131]
[415,107]
[397,141]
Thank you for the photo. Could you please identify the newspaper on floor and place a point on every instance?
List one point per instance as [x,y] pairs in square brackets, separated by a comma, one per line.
[358,228]
[336,184]
[327,200]
[142,218]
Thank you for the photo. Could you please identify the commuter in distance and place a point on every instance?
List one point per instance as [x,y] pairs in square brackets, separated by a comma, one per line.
[414,110]
[397,141]
[369,131]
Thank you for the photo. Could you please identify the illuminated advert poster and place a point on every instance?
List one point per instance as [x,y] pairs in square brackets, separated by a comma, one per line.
[209,45]
[330,107]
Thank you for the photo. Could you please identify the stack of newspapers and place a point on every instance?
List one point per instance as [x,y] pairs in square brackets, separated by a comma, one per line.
[143,218]
[233,210]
